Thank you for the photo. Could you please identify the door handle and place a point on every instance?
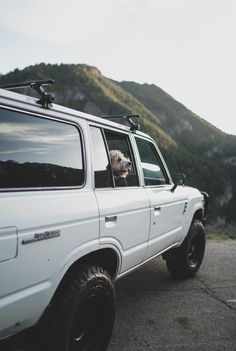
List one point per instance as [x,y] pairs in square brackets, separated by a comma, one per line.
[157,209]
[110,219]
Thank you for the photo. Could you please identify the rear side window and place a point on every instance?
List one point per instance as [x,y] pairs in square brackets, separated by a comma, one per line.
[37,152]
[113,160]
[119,146]
[153,170]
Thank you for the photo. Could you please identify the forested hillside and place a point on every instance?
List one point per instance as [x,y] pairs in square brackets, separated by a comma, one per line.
[190,144]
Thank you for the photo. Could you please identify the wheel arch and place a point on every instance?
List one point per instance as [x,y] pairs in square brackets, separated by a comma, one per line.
[107,258]
[198,215]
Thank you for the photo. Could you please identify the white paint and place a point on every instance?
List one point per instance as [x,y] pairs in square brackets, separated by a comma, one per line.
[137,222]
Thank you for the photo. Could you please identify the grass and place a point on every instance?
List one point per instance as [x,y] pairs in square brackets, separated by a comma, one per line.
[212,236]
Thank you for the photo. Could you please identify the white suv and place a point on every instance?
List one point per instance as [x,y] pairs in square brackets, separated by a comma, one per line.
[69,227]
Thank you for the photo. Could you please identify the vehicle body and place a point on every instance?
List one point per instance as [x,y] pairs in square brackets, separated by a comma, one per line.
[58,213]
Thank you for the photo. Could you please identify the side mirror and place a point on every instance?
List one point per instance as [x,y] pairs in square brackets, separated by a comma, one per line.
[178,179]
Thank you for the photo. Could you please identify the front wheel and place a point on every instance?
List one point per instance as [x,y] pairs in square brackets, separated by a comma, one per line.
[83,317]
[186,260]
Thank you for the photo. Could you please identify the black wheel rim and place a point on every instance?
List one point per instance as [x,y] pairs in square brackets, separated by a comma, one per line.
[88,324]
[195,252]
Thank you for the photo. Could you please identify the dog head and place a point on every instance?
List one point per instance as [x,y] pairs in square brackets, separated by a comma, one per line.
[120,165]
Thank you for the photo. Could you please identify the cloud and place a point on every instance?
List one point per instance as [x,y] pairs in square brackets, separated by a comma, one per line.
[186,47]
[56,21]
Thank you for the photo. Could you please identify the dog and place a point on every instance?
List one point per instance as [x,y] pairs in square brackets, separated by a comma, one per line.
[120,166]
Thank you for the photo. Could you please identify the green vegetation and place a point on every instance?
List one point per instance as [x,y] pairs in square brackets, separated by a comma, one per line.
[221,237]
[190,144]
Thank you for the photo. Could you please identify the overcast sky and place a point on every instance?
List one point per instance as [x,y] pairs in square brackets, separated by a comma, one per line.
[186,47]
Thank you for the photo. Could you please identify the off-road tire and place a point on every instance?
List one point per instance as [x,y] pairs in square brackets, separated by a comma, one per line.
[184,261]
[83,317]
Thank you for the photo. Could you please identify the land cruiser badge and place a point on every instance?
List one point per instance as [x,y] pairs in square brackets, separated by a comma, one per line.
[42,236]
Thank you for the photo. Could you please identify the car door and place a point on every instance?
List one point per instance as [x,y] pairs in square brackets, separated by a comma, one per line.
[166,207]
[123,204]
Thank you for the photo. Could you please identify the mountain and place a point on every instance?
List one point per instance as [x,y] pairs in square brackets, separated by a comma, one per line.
[190,144]
[183,125]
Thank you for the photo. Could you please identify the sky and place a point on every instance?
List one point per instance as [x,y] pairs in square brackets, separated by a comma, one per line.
[186,47]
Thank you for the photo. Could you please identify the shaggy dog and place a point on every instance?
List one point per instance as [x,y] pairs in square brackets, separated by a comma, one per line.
[120,165]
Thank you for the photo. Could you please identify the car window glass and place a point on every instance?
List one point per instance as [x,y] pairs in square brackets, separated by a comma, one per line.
[102,172]
[122,160]
[37,152]
[152,168]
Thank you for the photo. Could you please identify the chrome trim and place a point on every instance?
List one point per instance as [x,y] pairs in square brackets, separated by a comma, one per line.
[149,259]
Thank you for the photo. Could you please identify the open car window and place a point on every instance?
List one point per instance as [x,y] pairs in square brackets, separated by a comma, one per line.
[113,159]
[121,159]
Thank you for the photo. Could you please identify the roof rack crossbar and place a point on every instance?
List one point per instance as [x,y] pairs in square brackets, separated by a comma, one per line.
[45,99]
[127,118]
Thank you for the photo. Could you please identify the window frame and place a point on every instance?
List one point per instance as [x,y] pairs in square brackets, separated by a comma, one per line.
[160,158]
[133,159]
[58,120]
[108,159]
[128,135]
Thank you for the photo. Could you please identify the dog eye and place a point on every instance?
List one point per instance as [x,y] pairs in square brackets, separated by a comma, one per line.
[119,159]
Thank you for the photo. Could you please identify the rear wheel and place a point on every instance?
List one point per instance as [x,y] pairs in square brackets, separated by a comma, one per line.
[83,318]
[185,261]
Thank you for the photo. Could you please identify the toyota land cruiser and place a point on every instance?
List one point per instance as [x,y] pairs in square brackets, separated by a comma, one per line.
[69,229]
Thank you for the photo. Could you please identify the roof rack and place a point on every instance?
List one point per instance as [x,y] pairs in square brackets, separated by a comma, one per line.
[45,99]
[127,118]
